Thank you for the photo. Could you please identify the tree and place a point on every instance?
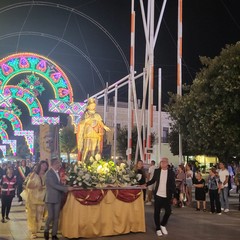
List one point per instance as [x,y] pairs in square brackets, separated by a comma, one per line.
[22,148]
[208,115]
[68,142]
[122,140]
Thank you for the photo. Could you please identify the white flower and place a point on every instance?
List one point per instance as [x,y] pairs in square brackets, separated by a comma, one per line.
[87,176]
[139,176]
[98,157]
[126,177]
[87,183]
[99,169]
[80,173]
[122,165]
[75,169]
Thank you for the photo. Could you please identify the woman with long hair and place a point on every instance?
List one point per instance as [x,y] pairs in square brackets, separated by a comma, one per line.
[141,175]
[35,201]
[180,184]
[214,187]
[189,183]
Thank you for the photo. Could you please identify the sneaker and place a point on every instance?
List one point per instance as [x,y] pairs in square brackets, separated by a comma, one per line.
[164,230]
[159,233]
[222,209]
[226,210]
[148,203]
[219,214]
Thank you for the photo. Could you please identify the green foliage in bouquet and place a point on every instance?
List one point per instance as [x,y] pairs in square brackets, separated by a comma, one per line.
[97,172]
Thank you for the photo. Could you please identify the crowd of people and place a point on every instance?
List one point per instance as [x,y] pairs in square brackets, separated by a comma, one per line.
[175,186]
[41,187]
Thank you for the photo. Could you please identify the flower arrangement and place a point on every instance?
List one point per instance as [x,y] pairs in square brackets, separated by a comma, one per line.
[97,172]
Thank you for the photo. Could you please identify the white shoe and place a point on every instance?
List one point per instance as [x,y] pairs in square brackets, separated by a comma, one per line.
[222,209]
[159,233]
[226,210]
[219,213]
[33,236]
[148,203]
[20,203]
[164,230]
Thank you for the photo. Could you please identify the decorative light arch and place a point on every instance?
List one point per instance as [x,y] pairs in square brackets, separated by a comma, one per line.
[23,95]
[3,149]
[13,145]
[31,62]
[29,137]
[13,118]
[3,134]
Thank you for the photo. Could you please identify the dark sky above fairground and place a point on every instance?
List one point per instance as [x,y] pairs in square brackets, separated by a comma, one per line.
[71,31]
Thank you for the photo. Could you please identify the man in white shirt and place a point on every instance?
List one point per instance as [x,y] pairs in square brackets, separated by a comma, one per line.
[164,193]
[224,175]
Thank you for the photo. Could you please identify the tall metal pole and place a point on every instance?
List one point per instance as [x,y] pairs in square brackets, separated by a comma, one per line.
[159,112]
[115,124]
[151,76]
[105,103]
[179,68]
[131,78]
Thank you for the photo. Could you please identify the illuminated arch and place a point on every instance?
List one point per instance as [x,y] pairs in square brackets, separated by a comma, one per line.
[18,63]
[3,149]
[13,118]
[3,134]
[25,96]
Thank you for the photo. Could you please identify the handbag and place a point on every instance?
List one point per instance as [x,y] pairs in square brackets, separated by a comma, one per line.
[24,195]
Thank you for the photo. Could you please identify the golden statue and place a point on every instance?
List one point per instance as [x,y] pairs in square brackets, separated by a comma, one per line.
[90,132]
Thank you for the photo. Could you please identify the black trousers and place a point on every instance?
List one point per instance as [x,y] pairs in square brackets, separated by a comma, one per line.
[214,201]
[161,203]
[19,191]
[6,205]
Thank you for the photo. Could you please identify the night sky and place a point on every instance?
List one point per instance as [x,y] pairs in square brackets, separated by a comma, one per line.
[63,31]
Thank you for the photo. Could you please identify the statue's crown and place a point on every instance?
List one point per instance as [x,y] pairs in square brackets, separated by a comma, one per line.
[91,100]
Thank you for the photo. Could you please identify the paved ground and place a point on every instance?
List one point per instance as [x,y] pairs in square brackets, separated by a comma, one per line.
[185,223]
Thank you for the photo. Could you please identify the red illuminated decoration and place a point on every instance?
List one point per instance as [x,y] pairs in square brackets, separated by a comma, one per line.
[20,93]
[35,110]
[63,92]
[55,76]
[6,70]
[42,66]
[23,63]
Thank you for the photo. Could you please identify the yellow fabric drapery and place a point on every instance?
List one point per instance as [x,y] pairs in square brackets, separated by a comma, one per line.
[36,191]
[110,217]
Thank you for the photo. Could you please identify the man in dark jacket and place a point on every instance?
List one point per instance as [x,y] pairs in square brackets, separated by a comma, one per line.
[54,191]
[164,194]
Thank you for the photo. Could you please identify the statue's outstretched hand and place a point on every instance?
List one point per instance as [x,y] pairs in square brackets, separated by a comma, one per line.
[107,128]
